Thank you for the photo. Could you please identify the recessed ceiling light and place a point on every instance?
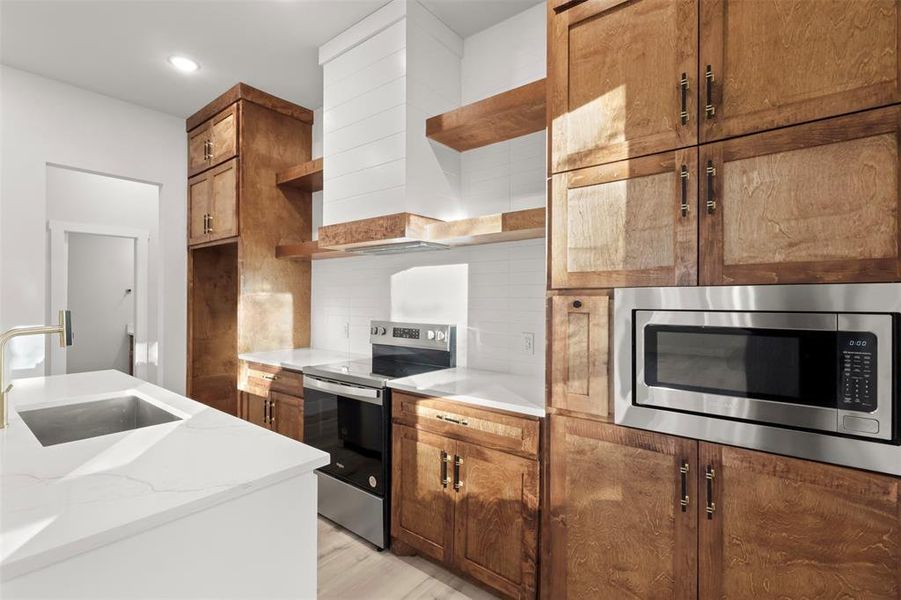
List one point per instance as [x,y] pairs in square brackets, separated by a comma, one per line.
[183,64]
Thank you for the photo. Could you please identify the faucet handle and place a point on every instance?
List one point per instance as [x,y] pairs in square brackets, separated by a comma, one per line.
[65,326]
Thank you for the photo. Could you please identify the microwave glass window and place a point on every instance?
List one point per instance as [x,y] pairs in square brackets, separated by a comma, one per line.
[780,365]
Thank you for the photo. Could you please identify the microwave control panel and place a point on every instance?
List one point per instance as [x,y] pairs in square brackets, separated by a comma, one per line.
[857,371]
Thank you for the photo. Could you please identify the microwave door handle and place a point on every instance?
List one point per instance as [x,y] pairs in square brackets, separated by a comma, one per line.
[370,395]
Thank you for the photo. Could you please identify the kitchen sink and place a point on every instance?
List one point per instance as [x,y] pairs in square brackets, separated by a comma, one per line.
[72,422]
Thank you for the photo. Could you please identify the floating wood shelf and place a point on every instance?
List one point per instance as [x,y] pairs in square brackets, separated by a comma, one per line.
[488,229]
[505,116]
[306,176]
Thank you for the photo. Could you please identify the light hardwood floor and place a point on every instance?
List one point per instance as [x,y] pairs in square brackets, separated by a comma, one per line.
[351,569]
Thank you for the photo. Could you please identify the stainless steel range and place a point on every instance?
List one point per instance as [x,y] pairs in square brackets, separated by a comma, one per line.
[347,413]
[803,370]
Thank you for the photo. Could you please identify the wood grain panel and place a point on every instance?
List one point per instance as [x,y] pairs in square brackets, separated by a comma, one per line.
[498,430]
[808,204]
[789,528]
[384,229]
[422,508]
[621,224]
[223,220]
[242,91]
[252,407]
[224,135]
[287,415]
[306,176]
[198,138]
[496,520]
[616,526]
[579,353]
[782,62]
[614,71]
[199,203]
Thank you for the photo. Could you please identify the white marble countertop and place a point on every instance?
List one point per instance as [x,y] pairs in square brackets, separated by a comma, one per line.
[520,394]
[58,501]
[297,358]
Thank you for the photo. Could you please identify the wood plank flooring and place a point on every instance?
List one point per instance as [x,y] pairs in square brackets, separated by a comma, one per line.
[352,569]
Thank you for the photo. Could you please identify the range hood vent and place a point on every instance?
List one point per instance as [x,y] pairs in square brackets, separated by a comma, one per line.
[400,248]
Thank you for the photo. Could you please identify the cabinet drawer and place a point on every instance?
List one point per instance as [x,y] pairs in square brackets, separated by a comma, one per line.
[511,433]
[260,379]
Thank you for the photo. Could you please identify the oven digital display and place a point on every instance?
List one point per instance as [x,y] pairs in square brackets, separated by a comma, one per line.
[410,333]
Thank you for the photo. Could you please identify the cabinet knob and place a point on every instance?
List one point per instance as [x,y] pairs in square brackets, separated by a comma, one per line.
[577,304]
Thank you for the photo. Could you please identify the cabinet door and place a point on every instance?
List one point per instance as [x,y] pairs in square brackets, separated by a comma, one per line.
[615,73]
[224,135]
[253,408]
[630,223]
[807,204]
[199,199]
[789,528]
[618,525]
[496,519]
[287,415]
[223,221]
[580,353]
[787,62]
[422,502]
[198,149]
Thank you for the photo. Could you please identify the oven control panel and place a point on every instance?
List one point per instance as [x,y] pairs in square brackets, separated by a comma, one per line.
[857,371]
[414,335]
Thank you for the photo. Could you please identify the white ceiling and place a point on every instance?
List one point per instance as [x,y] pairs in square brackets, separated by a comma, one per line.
[119,48]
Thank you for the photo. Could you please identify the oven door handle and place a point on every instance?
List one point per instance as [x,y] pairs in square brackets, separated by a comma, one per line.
[370,395]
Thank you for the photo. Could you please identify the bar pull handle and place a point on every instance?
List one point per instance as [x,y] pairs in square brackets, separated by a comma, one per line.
[709,108]
[458,462]
[683,183]
[445,458]
[453,420]
[711,198]
[683,93]
[204,223]
[269,377]
[683,483]
[271,412]
[210,226]
[711,505]
[266,412]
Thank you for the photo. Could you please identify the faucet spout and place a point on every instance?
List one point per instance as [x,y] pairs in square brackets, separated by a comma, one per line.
[64,329]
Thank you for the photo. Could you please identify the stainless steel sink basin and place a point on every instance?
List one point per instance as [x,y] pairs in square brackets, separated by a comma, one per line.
[71,422]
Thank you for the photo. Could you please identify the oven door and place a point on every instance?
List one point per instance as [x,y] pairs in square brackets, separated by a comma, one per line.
[820,371]
[348,422]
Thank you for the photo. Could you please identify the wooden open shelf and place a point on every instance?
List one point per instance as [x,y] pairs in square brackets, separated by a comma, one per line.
[505,116]
[488,229]
[306,176]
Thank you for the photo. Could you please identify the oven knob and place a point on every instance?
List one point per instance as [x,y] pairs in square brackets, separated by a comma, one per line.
[381,330]
[441,336]
[372,481]
[374,330]
[430,334]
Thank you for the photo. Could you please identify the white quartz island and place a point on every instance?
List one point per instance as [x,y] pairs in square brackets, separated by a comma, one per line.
[207,506]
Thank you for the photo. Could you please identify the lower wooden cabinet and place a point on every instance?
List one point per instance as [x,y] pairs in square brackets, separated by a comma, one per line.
[276,411]
[635,514]
[470,507]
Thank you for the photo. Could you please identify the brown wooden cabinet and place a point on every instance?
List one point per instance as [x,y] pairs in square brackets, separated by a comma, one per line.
[645,515]
[254,408]
[813,203]
[213,204]
[271,397]
[214,141]
[628,223]
[781,63]
[622,80]
[286,415]
[788,528]
[617,526]
[579,352]
[463,502]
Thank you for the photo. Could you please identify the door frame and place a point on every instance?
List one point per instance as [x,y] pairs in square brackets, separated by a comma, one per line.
[59,287]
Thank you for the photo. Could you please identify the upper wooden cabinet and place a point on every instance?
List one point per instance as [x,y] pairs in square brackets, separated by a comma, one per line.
[628,223]
[618,524]
[214,141]
[780,63]
[789,528]
[213,204]
[579,353]
[622,80]
[812,203]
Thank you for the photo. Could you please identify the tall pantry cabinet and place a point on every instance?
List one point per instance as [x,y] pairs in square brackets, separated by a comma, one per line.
[711,142]
[241,298]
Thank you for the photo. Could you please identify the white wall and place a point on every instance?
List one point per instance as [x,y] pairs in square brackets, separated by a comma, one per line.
[47,122]
[89,198]
[101,269]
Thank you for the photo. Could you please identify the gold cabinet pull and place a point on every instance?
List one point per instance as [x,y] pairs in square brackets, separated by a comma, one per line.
[711,505]
[445,458]
[210,226]
[683,483]
[683,182]
[709,108]
[711,198]
[683,94]
[271,411]
[266,412]
[458,462]
[454,420]
[269,377]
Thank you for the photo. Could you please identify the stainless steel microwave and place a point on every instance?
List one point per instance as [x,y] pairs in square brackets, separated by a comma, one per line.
[780,367]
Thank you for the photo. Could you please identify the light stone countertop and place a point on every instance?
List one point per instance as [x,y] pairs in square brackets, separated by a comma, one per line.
[522,394]
[59,501]
[297,358]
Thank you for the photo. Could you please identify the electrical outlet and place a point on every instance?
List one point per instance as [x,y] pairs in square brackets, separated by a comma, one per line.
[527,343]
